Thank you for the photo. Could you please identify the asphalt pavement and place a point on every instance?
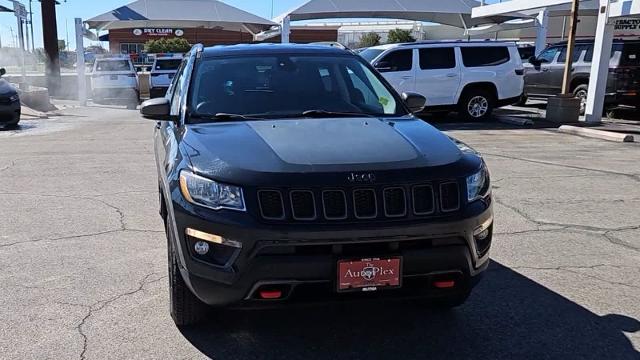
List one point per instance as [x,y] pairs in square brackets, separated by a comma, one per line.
[83,272]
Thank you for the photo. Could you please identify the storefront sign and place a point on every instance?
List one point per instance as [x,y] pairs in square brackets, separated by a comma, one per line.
[627,24]
[158,32]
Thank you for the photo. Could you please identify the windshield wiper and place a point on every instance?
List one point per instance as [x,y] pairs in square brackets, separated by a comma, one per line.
[326,113]
[226,116]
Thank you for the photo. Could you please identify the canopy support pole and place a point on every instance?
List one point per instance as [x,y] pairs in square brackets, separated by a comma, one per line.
[542,25]
[80,61]
[600,67]
[568,66]
[286,29]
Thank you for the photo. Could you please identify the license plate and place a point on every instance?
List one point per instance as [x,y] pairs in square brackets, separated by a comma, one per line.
[114,77]
[369,274]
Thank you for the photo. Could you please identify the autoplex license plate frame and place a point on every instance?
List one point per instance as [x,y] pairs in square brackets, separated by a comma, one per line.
[369,274]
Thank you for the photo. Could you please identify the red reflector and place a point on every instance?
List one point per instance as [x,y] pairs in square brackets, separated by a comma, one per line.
[270,294]
[444,284]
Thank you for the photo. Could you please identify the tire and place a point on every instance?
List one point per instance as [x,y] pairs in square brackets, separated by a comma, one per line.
[523,100]
[581,92]
[186,309]
[476,105]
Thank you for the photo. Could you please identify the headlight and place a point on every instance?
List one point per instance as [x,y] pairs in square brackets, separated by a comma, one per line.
[14,98]
[464,147]
[211,194]
[478,184]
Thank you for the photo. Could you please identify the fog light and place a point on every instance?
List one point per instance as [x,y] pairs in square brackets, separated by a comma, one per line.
[482,235]
[201,248]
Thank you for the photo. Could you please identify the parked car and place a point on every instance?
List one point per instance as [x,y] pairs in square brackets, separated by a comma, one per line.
[471,77]
[9,103]
[162,72]
[544,73]
[114,80]
[296,173]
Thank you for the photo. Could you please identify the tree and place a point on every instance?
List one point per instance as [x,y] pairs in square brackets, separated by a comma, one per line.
[400,36]
[369,39]
[172,45]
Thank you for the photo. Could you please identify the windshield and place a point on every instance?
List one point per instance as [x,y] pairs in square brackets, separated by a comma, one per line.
[370,54]
[283,85]
[172,64]
[113,65]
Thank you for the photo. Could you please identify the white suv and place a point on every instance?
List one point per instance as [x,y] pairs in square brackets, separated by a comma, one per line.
[470,77]
[114,79]
[164,69]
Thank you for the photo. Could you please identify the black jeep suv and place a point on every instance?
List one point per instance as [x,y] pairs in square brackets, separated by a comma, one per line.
[295,173]
[9,103]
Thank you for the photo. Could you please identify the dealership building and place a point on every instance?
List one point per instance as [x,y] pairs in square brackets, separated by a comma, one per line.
[209,22]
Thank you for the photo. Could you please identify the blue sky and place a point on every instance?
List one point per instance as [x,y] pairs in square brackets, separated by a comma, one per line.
[85,9]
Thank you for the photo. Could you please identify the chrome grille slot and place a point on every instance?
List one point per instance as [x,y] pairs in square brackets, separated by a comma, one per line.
[423,200]
[365,204]
[395,203]
[334,204]
[449,196]
[303,205]
[271,204]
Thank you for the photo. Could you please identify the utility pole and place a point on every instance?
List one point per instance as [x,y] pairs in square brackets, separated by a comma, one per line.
[50,38]
[33,39]
[568,66]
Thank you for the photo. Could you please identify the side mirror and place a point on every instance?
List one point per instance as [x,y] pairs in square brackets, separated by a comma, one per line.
[415,102]
[156,109]
[2,71]
[383,66]
[534,60]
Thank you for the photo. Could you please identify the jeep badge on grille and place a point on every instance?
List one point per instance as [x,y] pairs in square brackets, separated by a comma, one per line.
[361,178]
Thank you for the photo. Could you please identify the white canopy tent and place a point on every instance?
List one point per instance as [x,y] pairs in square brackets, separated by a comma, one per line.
[183,13]
[606,11]
[448,12]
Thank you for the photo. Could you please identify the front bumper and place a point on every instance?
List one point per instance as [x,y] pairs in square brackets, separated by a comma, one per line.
[115,94]
[10,113]
[303,260]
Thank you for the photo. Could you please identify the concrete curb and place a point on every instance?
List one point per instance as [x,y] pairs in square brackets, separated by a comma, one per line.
[596,134]
[515,121]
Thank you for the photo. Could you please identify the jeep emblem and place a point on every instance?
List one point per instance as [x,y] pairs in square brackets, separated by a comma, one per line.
[361,178]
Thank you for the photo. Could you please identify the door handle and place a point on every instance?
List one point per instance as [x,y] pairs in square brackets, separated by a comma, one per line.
[407,77]
[452,75]
[158,125]
[545,69]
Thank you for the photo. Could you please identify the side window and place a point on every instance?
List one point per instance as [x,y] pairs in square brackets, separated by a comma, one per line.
[175,90]
[576,53]
[437,58]
[399,60]
[588,57]
[548,55]
[485,56]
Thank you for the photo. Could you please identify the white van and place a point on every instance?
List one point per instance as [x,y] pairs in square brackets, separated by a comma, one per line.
[115,80]
[470,77]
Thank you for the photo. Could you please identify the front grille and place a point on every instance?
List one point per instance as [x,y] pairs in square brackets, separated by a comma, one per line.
[303,205]
[423,200]
[449,196]
[271,204]
[334,204]
[364,203]
[360,204]
[395,203]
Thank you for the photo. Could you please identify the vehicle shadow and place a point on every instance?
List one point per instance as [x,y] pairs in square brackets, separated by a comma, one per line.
[508,317]
[447,122]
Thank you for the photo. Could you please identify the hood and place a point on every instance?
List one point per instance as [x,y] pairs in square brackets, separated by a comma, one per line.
[6,88]
[222,150]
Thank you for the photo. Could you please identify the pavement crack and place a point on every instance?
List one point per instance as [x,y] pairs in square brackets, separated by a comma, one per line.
[12,164]
[565,226]
[100,305]
[575,167]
